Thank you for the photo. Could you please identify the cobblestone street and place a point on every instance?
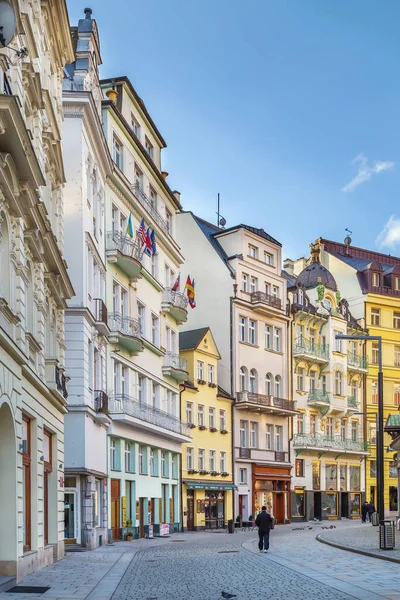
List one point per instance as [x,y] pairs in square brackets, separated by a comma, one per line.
[198,566]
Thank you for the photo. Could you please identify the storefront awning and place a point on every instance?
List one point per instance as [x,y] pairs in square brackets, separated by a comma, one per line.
[204,485]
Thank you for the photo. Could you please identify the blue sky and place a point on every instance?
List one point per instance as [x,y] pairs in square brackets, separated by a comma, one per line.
[289,109]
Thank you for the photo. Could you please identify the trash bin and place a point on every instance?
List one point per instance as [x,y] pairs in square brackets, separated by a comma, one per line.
[387,535]
[375,519]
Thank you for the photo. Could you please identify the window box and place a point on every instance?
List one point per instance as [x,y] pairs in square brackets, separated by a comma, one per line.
[192,471]
[204,472]
[214,473]
[192,425]
[212,385]
[224,474]
[213,429]
[224,431]
[202,427]
[201,382]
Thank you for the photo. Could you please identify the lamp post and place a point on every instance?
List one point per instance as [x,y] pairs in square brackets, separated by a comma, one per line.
[379,420]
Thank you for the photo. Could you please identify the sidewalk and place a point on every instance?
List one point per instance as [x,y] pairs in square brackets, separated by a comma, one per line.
[362,540]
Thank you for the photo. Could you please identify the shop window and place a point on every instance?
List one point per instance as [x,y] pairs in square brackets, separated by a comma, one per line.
[298,509]
[329,504]
[331,477]
[343,478]
[299,467]
[355,505]
[393,498]
[355,472]
[48,467]
[316,475]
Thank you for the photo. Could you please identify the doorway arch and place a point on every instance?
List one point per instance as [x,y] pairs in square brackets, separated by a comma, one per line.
[8,491]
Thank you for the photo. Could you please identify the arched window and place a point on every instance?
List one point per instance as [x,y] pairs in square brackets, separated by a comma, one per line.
[278,386]
[243,379]
[338,383]
[253,381]
[301,296]
[4,259]
[268,384]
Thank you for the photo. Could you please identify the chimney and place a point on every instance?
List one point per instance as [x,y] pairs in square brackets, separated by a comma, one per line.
[177,195]
[288,266]
[88,12]
[164,175]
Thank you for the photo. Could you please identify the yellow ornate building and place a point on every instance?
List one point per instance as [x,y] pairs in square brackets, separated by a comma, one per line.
[207,472]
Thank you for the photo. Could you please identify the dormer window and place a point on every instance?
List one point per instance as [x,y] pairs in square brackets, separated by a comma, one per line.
[376,278]
[301,296]
[397,283]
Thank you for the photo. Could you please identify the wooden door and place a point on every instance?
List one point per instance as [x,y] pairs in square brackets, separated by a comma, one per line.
[141,517]
[116,509]
[190,514]
[279,508]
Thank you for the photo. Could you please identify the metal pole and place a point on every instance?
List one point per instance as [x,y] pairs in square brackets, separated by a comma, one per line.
[380,449]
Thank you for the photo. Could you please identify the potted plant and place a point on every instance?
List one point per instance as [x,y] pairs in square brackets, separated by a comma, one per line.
[230,526]
[129,536]
[238,521]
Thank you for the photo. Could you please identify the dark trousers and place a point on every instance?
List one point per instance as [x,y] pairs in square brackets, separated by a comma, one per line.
[263,540]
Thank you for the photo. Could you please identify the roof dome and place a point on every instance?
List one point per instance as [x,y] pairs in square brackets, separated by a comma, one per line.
[316,274]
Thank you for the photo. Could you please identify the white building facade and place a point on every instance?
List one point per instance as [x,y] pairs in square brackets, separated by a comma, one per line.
[88,164]
[144,315]
[34,286]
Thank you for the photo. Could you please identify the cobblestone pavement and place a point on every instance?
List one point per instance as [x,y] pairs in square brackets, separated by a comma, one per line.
[366,540]
[198,566]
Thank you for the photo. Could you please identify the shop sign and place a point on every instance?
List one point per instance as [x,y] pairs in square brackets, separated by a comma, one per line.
[164,529]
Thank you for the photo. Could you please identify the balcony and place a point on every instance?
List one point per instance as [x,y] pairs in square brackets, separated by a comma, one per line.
[143,416]
[126,332]
[261,455]
[147,203]
[318,398]
[265,404]
[263,302]
[101,406]
[357,363]
[100,316]
[308,350]
[125,253]
[56,379]
[174,366]
[329,444]
[175,303]
[352,405]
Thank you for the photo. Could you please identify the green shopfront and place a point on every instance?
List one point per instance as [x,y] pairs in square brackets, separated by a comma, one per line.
[206,504]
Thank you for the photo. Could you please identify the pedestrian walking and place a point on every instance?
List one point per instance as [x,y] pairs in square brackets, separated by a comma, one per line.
[264,524]
[371,510]
[364,511]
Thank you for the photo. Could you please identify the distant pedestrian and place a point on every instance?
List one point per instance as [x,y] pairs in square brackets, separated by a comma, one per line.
[364,511]
[264,524]
[371,510]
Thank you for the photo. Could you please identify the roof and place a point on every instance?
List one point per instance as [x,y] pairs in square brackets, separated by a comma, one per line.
[291,279]
[190,385]
[209,230]
[393,421]
[343,252]
[189,340]
[315,274]
[255,230]
[359,264]
[223,394]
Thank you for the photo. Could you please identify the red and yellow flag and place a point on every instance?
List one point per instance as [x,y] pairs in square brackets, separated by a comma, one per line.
[189,287]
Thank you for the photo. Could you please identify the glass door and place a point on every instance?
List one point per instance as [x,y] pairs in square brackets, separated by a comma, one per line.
[69,516]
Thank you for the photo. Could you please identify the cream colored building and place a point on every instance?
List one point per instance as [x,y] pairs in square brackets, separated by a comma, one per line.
[34,286]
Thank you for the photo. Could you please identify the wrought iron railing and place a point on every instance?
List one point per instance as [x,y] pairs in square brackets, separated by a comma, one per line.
[264,298]
[61,382]
[304,346]
[123,404]
[146,202]
[302,440]
[100,311]
[355,360]
[317,395]
[262,400]
[124,243]
[125,325]
[352,402]
[177,299]
[100,401]
[175,361]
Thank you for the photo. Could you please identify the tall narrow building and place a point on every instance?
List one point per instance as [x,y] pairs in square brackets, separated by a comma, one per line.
[241,296]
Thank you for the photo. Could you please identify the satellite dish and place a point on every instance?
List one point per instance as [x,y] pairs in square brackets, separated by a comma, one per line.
[222,222]
[7,23]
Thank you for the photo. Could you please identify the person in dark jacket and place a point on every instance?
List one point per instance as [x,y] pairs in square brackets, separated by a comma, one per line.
[364,511]
[371,510]
[263,522]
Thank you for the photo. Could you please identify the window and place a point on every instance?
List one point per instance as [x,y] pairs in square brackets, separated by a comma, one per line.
[372,468]
[211,418]
[113,455]
[155,330]
[313,380]
[117,152]
[300,423]
[268,384]
[135,127]
[268,337]
[299,467]
[210,373]
[338,383]
[26,481]
[243,379]
[245,282]
[189,459]
[354,431]
[267,288]
[275,291]
[252,332]
[312,337]
[253,284]
[222,462]
[153,197]
[374,398]
[48,467]
[277,340]
[300,379]
[242,329]
[278,386]
[154,265]
[375,353]
[397,356]
[201,459]
[253,251]
[189,412]
[278,438]
[397,283]
[313,424]
[372,433]
[253,381]
[128,457]
[142,460]
[396,320]
[211,460]
[141,390]
[164,464]
[397,395]
[168,218]
[338,342]
[268,258]
[270,437]
[253,435]
[149,148]
[200,415]
[329,427]
[138,177]
[222,419]
[243,433]
[324,384]
[343,431]
[243,476]
[200,370]
[155,395]
[152,461]
[376,279]
[375,316]
[141,318]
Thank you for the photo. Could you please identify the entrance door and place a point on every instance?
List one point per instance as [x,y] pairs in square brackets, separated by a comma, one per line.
[279,508]
[243,512]
[190,513]
[69,518]
[317,506]
[214,510]
[344,513]
[141,517]
[116,509]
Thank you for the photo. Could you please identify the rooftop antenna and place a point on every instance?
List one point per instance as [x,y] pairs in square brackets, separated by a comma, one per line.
[221,221]
[347,240]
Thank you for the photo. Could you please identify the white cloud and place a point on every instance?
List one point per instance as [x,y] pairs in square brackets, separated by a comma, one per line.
[365,171]
[390,234]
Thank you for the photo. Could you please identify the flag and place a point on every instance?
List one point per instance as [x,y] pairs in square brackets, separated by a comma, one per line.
[153,243]
[147,243]
[177,283]
[129,228]
[141,233]
[189,287]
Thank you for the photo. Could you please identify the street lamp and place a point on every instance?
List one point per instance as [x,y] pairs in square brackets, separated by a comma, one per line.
[379,420]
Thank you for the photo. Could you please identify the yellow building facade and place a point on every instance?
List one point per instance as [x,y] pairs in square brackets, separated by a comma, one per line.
[207,470]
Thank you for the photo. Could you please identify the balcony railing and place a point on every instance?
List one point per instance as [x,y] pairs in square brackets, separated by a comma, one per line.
[262,400]
[177,299]
[146,202]
[305,347]
[61,382]
[122,404]
[100,401]
[355,360]
[100,311]
[301,440]
[175,361]
[124,325]
[125,244]
[263,298]
[352,402]
[318,396]
[244,453]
